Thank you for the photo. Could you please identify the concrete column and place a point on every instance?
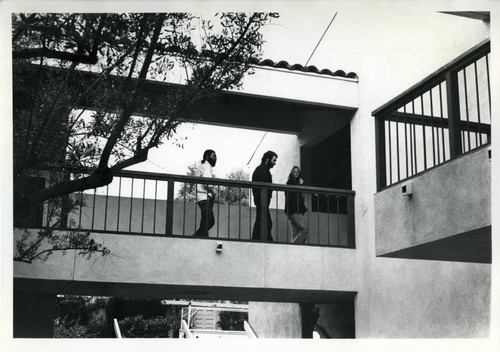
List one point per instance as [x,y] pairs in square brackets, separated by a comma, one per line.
[307,320]
[306,165]
[34,314]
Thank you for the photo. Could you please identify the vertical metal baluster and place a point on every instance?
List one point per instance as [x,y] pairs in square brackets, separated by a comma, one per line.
[118,210]
[397,149]
[488,83]
[195,206]
[80,214]
[297,207]
[414,152]
[423,132]
[106,208]
[328,218]
[317,203]
[442,119]
[478,107]
[250,194]
[239,215]
[309,217]
[131,201]
[51,182]
[432,127]
[390,151]
[93,209]
[154,207]
[143,203]
[229,213]
[276,215]
[406,141]
[288,237]
[184,211]
[466,111]
[218,210]
[411,143]
[338,220]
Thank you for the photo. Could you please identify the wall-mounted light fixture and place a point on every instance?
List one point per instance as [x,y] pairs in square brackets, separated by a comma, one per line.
[218,247]
[407,189]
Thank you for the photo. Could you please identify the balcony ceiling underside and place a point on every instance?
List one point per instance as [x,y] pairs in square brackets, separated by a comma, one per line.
[137,290]
[231,109]
[472,247]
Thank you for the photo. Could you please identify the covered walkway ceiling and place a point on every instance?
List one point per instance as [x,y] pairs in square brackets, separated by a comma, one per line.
[289,104]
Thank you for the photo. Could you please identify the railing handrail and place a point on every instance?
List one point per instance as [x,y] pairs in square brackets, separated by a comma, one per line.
[236,183]
[220,181]
[475,53]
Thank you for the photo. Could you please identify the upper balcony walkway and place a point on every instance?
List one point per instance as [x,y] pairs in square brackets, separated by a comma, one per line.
[147,222]
[433,165]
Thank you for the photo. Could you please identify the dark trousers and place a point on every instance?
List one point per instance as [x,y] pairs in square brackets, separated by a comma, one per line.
[207,217]
[262,211]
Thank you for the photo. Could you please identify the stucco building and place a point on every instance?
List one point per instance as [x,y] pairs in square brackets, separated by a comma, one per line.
[396,153]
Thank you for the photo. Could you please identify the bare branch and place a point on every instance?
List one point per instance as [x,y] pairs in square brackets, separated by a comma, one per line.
[54,54]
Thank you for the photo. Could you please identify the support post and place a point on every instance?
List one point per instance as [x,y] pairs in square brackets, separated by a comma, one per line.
[170,208]
[453,103]
[351,238]
[380,152]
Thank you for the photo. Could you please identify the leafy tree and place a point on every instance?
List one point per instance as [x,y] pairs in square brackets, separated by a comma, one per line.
[235,195]
[81,317]
[227,195]
[81,99]
[139,327]
[232,320]
[188,190]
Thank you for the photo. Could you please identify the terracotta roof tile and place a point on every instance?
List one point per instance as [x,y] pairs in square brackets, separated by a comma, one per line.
[281,64]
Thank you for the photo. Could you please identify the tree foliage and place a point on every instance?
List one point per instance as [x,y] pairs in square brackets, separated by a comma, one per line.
[226,194]
[235,195]
[82,98]
[93,317]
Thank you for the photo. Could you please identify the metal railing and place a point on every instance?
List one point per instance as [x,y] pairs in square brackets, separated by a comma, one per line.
[445,115]
[142,203]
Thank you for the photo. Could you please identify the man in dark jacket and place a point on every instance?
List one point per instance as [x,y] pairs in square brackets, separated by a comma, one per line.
[262,174]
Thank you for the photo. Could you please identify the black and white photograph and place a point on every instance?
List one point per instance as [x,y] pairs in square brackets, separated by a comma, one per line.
[289,175]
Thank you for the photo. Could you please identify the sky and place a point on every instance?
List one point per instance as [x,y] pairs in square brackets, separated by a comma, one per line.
[234,148]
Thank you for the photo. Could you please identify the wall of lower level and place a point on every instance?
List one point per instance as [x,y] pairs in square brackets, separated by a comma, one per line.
[275,320]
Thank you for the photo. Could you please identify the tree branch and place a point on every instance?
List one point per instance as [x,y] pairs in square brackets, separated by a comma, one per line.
[97,179]
[132,106]
[54,54]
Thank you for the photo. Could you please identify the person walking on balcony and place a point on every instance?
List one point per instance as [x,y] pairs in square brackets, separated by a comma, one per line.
[205,194]
[262,174]
[295,207]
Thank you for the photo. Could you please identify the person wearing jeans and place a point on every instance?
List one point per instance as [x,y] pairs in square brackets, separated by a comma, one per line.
[205,194]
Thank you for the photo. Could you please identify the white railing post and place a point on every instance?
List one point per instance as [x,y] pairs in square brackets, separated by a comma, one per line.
[117,329]
[185,328]
[249,330]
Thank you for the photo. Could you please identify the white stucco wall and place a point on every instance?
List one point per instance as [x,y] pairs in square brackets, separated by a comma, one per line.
[407,298]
